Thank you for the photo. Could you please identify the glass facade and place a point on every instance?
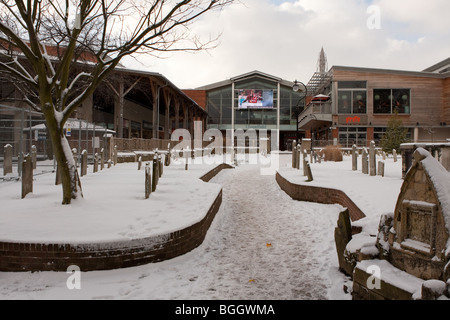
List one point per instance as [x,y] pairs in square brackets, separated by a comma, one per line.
[219,104]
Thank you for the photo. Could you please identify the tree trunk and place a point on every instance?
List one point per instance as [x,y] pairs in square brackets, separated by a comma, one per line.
[65,161]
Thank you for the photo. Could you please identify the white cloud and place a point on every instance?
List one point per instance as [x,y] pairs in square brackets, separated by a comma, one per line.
[284,39]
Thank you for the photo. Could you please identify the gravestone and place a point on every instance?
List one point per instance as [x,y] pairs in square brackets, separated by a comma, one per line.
[381,168]
[148,181]
[34,156]
[115,155]
[161,166]
[294,154]
[354,158]
[7,160]
[102,159]
[155,174]
[139,163]
[372,159]
[84,158]
[305,161]
[365,162]
[309,173]
[414,239]
[394,154]
[186,157]
[27,175]
[95,162]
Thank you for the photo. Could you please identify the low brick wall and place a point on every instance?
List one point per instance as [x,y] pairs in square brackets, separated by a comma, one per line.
[320,195]
[109,255]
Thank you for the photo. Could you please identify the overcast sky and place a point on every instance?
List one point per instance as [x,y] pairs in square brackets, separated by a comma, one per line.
[284,38]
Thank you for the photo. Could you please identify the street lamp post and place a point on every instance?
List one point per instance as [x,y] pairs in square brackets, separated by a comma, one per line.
[299,87]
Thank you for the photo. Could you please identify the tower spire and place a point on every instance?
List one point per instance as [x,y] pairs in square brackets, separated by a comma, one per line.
[322,64]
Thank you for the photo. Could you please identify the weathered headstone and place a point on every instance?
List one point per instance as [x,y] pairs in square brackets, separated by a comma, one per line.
[372,159]
[294,154]
[305,162]
[155,174]
[309,172]
[102,159]
[95,162]
[394,154]
[148,181]
[365,162]
[354,158]
[186,157]
[7,159]
[381,168]
[84,158]
[140,163]
[115,155]
[34,156]
[27,175]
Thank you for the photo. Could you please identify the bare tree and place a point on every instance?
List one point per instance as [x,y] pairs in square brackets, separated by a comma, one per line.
[96,34]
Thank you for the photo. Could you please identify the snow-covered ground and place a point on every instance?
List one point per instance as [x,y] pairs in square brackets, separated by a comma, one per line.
[262,244]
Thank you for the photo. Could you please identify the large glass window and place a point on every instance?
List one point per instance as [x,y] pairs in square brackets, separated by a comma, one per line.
[352,136]
[352,97]
[389,101]
[219,106]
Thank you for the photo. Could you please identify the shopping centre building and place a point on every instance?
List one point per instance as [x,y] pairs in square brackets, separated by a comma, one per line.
[254,100]
[358,103]
[345,105]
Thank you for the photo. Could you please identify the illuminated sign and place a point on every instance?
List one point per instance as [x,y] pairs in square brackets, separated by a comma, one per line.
[355,119]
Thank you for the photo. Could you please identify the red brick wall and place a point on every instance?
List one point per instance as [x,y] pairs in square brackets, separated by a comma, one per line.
[198,96]
[320,195]
[106,256]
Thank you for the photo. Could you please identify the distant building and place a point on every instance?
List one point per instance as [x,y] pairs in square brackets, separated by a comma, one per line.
[352,105]
[253,100]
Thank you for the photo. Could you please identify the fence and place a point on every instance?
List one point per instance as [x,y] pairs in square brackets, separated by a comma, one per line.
[24,128]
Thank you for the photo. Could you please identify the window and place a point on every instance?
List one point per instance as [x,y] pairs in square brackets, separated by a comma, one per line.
[389,101]
[350,136]
[352,97]
[219,106]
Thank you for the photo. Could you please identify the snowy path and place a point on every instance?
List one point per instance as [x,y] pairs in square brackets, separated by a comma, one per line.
[270,246]
[262,245]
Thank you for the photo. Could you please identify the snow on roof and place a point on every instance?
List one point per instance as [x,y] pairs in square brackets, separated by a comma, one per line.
[74,124]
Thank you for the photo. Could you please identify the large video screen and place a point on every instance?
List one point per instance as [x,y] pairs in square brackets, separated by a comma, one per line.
[255,99]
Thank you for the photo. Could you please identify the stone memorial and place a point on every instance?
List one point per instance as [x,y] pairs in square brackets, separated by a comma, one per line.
[414,239]
[372,159]
[354,158]
[7,159]
[148,181]
[84,158]
[34,156]
[365,162]
[27,175]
